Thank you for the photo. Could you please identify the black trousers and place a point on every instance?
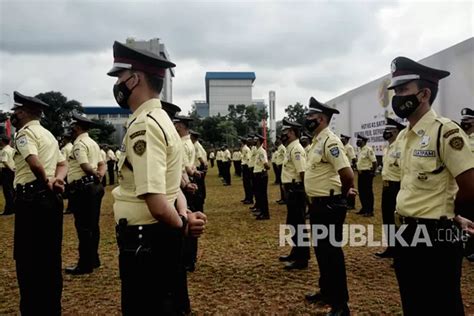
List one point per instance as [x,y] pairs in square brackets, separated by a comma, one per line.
[212,163]
[261,191]
[430,277]
[37,252]
[389,202]
[238,168]
[296,207]
[219,168]
[366,193]
[226,171]
[332,268]
[111,171]
[151,270]
[87,201]
[275,171]
[282,191]
[247,182]
[190,246]
[8,192]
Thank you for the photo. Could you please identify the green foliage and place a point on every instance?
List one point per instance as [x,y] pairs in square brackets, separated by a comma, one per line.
[103,132]
[296,112]
[59,111]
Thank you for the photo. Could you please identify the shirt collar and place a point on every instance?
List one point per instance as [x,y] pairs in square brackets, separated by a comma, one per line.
[30,123]
[424,123]
[186,137]
[146,106]
[321,134]
[292,144]
[80,137]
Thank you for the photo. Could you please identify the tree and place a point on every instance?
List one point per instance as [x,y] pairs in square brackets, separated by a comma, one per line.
[101,134]
[296,113]
[58,112]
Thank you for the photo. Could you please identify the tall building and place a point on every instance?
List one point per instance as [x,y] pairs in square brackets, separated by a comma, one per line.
[157,48]
[226,88]
[202,108]
[272,115]
[259,104]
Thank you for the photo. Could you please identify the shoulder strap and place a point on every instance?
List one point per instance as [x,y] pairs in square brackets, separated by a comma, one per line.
[324,149]
[438,152]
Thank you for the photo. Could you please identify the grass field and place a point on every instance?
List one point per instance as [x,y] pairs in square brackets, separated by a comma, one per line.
[238,270]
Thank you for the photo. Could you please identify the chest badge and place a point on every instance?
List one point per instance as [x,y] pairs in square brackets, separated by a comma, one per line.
[425,141]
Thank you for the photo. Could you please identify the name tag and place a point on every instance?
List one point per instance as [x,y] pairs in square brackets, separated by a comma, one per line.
[424,153]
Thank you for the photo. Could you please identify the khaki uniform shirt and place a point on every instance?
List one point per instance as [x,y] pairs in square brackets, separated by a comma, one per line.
[391,162]
[111,155]
[6,157]
[84,150]
[253,152]
[471,142]
[350,152]
[104,157]
[294,163]
[227,156]
[34,139]
[211,155]
[326,158]
[366,158]
[307,149]
[280,155]
[426,190]
[189,151]
[151,162]
[200,153]
[117,154]
[219,155]
[66,150]
[245,154]
[260,159]
[236,156]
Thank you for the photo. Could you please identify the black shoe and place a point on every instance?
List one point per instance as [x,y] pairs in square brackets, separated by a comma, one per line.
[470,258]
[248,202]
[7,213]
[252,208]
[190,267]
[96,264]
[242,201]
[368,215]
[339,311]
[285,258]
[77,270]
[316,298]
[262,217]
[226,184]
[361,212]
[281,202]
[296,265]
[384,254]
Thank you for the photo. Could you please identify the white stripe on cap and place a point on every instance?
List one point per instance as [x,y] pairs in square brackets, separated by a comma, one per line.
[390,126]
[406,77]
[17,104]
[123,65]
[467,116]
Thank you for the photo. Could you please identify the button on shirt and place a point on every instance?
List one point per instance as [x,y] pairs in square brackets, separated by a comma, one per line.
[6,157]
[34,139]
[260,159]
[366,158]
[294,163]
[280,155]
[151,162]
[391,162]
[426,190]
[245,153]
[326,158]
[84,150]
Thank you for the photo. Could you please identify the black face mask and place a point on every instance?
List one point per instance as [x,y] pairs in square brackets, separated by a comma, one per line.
[465,126]
[387,135]
[122,93]
[404,105]
[14,119]
[311,125]
[359,143]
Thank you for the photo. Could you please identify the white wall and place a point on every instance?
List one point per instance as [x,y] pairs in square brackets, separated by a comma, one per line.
[222,93]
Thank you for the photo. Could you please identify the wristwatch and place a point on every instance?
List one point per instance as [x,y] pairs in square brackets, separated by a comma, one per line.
[185,223]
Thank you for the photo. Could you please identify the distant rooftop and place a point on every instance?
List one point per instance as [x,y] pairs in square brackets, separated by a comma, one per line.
[230,75]
[105,110]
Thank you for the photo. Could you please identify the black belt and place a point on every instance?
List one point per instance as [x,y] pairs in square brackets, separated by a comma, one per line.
[292,185]
[442,222]
[31,189]
[322,199]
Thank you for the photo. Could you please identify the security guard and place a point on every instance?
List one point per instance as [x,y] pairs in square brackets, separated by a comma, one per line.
[86,169]
[246,176]
[251,164]
[467,124]
[261,179]
[226,163]
[219,157]
[351,156]
[391,179]
[103,155]
[39,180]
[8,173]
[149,208]
[237,161]
[110,160]
[212,157]
[280,157]
[201,163]
[292,176]
[366,166]
[437,181]
[328,180]
[66,149]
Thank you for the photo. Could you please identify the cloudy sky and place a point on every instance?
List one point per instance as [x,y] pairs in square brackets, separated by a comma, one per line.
[297,48]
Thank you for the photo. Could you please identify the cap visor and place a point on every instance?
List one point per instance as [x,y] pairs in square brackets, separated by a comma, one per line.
[115,71]
[396,83]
